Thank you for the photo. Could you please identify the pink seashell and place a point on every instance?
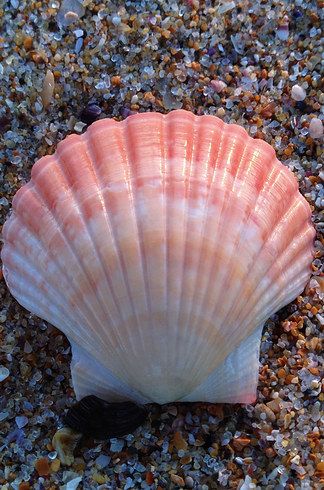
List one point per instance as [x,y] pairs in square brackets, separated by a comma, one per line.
[160,245]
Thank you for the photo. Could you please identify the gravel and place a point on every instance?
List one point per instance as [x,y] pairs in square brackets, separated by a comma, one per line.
[65,64]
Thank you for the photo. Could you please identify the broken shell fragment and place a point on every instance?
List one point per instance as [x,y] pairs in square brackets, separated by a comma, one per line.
[160,245]
[64,441]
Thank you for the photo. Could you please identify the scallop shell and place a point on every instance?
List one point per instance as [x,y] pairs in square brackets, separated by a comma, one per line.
[160,245]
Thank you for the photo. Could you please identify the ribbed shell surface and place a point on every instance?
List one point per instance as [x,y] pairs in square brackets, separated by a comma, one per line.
[160,245]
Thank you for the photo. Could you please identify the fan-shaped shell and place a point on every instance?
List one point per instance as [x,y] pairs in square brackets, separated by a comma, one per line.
[160,245]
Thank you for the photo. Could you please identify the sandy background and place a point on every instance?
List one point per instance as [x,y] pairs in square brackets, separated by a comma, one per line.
[255,63]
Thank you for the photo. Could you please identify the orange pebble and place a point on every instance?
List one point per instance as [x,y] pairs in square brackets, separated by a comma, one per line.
[149,478]
[24,485]
[281,373]
[42,467]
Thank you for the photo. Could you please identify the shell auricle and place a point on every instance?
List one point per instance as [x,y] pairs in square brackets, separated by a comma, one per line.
[160,245]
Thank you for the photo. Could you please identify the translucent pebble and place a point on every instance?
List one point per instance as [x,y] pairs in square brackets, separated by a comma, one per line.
[247,484]
[21,421]
[298,93]
[52,455]
[78,33]
[116,445]
[3,415]
[78,127]
[313,32]
[103,460]
[315,128]
[218,85]
[283,33]
[73,484]
[226,438]
[170,102]
[129,483]
[4,373]
[69,12]
[116,20]
[78,45]
[38,107]
[4,202]
[226,7]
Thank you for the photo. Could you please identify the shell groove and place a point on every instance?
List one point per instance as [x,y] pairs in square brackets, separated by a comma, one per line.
[160,245]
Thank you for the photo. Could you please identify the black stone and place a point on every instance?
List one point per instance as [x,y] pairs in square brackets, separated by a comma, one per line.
[91,113]
[99,419]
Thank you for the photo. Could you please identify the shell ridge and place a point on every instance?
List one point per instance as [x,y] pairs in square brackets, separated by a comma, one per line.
[69,246]
[235,379]
[132,184]
[187,183]
[27,300]
[103,380]
[293,280]
[165,175]
[271,233]
[33,276]
[69,179]
[110,226]
[193,348]
[202,234]
[261,196]
[239,238]
[27,225]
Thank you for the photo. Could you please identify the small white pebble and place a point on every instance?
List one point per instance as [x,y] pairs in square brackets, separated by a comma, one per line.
[298,93]
[73,484]
[4,373]
[78,33]
[296,459]
[315,128]
[78,127]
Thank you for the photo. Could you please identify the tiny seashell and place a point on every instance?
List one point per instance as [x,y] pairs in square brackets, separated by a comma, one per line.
[160,245]
[99,419]
[48,88]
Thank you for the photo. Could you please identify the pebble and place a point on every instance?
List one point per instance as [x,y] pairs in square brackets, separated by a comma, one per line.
[218,85]
[42,467]
[64,442]
[48,89]
[103,460]
[315,128]
[74,483]
[116,445]
[91,113]
[298,93]
[178,480]
[21,421]
[4,373]
[189,482]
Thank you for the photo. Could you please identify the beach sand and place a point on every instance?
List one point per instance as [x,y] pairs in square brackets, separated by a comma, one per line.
[254,63]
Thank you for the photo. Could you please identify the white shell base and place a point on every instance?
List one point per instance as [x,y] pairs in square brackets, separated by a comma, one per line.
[234,381]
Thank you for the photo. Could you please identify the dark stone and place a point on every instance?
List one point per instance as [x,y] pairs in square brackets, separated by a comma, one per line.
[99,419]
[91,113]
